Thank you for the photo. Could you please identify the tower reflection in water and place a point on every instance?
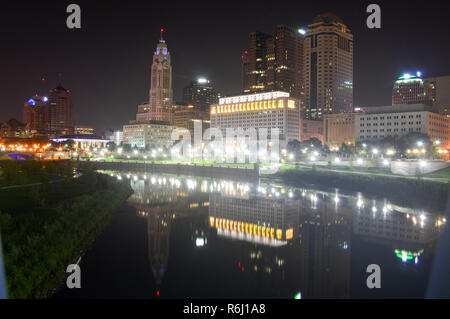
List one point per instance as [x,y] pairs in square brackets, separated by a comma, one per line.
[279,241]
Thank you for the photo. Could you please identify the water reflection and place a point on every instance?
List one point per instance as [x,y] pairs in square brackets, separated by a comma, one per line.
[271,240]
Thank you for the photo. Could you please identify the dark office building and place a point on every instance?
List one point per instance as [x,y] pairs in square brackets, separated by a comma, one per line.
[60,111]
[274,62]
[201,94]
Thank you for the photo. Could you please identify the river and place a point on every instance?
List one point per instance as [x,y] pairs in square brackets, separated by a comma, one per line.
[195,237]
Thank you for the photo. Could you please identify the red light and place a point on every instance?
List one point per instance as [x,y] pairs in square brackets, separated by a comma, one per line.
[246,52]
[242,269]
[162,30]
[157,293]
[239,264]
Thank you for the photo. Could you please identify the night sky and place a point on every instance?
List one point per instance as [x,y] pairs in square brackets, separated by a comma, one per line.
[106,64]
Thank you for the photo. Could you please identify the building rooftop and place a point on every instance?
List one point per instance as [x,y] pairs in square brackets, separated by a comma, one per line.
[327,18]
[398,108]
[134,122]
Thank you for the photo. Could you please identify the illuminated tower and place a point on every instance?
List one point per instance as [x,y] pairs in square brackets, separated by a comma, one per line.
[412,89]
[328,61]
[161,94]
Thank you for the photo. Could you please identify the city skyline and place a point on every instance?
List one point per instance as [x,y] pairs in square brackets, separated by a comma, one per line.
[99,92]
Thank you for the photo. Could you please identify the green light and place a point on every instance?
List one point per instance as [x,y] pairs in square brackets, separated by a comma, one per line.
[407,255]
[298,295]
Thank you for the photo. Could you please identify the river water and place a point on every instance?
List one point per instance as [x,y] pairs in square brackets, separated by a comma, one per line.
[195,237]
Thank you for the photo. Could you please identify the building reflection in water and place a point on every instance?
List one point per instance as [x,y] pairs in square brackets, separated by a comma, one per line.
[289,239]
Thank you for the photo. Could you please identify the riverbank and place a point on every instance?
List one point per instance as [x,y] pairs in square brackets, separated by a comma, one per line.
[46,227]
[425,193]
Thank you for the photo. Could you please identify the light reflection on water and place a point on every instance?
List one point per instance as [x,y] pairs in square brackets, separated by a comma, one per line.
[271,240]
[192,237]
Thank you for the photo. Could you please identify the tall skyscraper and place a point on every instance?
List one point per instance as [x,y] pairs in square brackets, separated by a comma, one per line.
[161,95]
[60,111]
[328,61]
[412,89]
[440,93]
[35,114]
[201,94]
[274,62]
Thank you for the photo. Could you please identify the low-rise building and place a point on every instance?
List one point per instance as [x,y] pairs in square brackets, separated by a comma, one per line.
[339,128]
[151,133]
[311,129]
[84,142]
[84,130]
[14,128]
[382,121]
[186,118]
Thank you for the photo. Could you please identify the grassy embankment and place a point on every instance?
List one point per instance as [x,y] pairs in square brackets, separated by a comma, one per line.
[170,161]
[45,227]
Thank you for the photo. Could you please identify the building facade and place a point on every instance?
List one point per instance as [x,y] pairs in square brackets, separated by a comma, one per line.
[201,94]
[412,89]
[263,110]
[60,111]
[84,142]
[380,122]
[160,101]
[311,129]
[440,93]
[339,129]
[36,115]
[84,130]
[188,116]
[145,134]
[13,128]
[274,62]
[328,65]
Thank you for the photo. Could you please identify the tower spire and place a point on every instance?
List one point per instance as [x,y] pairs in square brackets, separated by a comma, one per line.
[162,31]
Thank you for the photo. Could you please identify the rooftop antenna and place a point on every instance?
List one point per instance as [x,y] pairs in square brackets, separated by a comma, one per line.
[43,83]
[162,31]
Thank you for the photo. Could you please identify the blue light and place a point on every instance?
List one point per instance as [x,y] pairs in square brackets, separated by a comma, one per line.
[419,74]
[31,102]
[416,260]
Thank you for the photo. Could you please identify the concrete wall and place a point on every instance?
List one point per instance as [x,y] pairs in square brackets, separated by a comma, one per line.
[233,173]
[411,168]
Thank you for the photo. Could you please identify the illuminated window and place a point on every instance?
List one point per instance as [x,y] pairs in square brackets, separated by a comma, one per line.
[280,104]
[291,104]
[289,234]
[279,234]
